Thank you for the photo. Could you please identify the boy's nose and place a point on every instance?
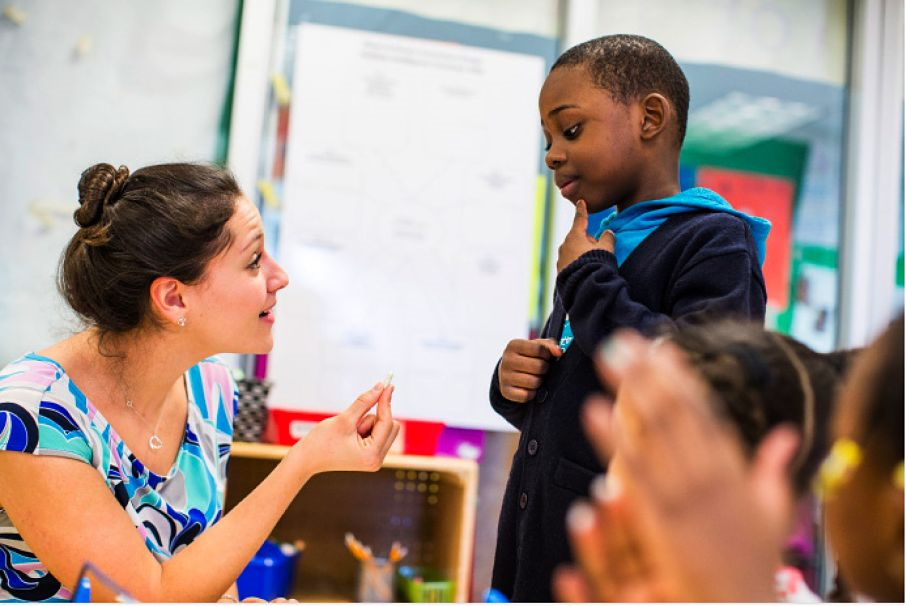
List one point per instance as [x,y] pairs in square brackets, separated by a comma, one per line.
[554,158]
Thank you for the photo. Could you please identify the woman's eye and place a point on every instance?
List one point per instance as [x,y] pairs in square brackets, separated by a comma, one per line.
[547,145]
[256,261]
[572,132]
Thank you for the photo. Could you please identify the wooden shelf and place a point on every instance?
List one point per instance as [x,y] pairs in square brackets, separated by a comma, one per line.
[426,503]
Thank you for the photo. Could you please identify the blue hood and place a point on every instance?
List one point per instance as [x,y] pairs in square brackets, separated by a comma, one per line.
[634,224]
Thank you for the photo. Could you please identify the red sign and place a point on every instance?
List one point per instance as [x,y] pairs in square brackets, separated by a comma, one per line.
[770,198]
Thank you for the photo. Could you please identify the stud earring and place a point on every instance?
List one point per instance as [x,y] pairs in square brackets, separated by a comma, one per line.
[181,321]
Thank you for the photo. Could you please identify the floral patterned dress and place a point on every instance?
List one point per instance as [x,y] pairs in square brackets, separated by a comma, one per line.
[44,413]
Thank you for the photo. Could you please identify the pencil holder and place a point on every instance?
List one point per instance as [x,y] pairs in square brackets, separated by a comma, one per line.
[376,580]
[251,413]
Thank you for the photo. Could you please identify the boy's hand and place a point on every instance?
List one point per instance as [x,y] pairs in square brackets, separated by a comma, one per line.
[578,242]
[523,366]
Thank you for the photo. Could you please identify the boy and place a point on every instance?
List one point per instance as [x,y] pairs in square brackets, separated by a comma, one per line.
[613,111]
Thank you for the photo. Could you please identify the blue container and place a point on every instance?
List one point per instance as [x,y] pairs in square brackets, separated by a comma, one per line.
[270,573]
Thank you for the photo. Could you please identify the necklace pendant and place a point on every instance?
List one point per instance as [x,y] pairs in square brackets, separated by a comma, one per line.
[155,442]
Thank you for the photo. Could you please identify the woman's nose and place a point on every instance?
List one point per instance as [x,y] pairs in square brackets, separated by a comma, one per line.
[277,278]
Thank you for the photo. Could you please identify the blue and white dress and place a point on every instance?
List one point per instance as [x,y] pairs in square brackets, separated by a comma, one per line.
[44,413]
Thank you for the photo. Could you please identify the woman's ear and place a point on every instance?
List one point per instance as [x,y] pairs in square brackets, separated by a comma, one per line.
[655,115]
[167,301]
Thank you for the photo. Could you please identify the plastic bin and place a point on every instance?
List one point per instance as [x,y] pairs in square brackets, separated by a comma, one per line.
[419,584]
[270,573]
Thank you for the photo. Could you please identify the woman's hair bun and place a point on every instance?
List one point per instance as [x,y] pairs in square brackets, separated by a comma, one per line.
[99,185]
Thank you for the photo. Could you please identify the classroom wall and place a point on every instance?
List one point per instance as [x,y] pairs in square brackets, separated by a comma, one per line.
[525,16]
[85,82]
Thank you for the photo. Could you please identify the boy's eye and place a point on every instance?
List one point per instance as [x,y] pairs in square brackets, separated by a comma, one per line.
[572,132]
[547,145]
[256,261]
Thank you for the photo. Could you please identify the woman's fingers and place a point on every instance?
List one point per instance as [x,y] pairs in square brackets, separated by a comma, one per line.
[366,400]
[389,443]
[366,424]
[383,425]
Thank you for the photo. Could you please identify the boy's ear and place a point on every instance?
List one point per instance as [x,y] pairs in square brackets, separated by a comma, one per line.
[167,300]
[655,115]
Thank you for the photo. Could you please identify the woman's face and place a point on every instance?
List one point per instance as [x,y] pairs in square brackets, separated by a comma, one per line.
[232,308]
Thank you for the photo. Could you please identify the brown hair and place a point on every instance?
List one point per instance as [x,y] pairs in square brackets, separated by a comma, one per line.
[163,220]
[764,379]
[881,413]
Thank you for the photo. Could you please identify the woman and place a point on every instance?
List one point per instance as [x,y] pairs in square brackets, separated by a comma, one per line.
[114,442]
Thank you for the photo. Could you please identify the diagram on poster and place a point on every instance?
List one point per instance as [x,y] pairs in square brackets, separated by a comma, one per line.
[407,225]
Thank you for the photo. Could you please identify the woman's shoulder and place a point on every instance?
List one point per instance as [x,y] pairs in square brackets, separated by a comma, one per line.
[35,392]
[26,379]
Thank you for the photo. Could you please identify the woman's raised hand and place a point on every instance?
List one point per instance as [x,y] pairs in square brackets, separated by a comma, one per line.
[354,440]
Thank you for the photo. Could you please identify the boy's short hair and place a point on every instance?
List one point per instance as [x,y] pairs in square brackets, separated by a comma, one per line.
[629,67]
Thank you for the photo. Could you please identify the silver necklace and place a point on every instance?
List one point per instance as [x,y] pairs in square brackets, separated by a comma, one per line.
[154,442]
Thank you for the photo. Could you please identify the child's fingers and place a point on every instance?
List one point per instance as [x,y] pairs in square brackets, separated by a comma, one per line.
[523,380]
[543,349]
[619,544]
[526,364]
[597,420]
[569,586]
[551,346]
[618,353]
[660,393]
[516,394]
[580,220]
[587,540]
[607,241]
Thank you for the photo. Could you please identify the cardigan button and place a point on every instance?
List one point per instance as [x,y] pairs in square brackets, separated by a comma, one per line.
[532,447]
[523,500]
[542,395]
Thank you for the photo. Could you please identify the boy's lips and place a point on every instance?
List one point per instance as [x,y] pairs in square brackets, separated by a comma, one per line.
[568,186]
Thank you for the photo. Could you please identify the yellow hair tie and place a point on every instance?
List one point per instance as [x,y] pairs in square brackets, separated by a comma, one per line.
[844,456]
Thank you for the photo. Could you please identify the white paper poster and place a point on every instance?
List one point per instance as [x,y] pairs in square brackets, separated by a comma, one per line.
[408,222]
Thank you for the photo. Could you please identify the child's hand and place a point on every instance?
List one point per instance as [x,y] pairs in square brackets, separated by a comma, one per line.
[354,440]
[578,242]
[523,367]
[685,479]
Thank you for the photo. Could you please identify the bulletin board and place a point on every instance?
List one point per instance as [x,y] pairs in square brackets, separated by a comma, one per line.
[407,209]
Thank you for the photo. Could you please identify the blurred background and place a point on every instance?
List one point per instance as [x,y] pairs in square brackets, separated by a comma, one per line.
[325,112]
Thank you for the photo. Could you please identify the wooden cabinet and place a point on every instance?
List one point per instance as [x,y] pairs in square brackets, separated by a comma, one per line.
[426,503]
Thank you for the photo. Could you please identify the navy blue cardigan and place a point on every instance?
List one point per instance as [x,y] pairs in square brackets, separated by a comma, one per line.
[693,267]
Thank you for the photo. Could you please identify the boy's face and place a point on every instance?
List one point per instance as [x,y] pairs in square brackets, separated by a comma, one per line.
[594,145]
